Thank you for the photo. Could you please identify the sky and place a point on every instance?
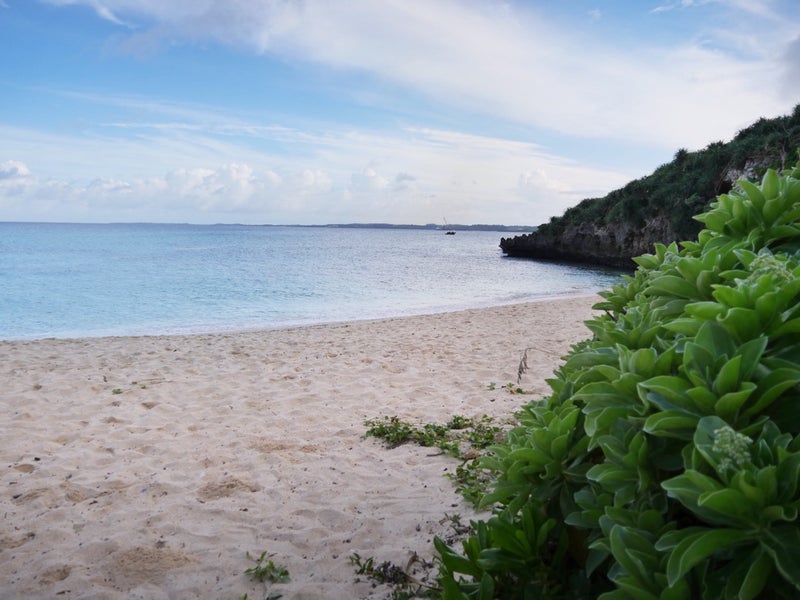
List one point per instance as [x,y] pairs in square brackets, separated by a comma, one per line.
[391,111]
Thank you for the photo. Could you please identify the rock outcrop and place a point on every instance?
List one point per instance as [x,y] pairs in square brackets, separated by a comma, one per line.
[614,244]
[659,208]
[608,244]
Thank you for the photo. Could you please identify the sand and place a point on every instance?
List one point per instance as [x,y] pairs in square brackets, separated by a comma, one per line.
[146,467]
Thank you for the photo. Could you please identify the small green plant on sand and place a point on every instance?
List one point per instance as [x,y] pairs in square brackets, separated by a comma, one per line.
[266,571]
[404,586]
[450,438]
[472,480]
[461,437]
[384,572]
[513,388]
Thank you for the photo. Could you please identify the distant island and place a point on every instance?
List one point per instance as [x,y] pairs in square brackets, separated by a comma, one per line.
[430,226]
[660,207]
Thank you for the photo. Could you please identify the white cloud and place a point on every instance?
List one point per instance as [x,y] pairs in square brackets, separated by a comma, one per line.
[510,61]
[532,182]
[103,9]
[13,170]
[368,180]
[15,178]
[403,182]
[498,62]
[416,176]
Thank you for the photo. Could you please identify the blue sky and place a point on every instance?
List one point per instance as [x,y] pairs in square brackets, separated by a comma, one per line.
[400,111]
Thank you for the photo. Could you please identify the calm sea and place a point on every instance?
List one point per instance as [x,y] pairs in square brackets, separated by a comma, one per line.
[72,280]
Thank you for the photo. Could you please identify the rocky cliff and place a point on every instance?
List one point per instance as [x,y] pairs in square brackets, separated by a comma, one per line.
[660,207]
[608,244]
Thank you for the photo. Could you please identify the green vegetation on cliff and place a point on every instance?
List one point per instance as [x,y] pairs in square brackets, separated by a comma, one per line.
[686,186]
[672,194]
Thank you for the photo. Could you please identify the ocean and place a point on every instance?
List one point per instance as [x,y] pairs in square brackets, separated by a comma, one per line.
[90,280]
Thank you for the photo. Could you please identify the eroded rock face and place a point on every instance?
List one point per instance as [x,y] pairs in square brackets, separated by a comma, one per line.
[613,244]
[616,244]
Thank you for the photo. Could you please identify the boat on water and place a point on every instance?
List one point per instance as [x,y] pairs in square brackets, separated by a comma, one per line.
[448,229]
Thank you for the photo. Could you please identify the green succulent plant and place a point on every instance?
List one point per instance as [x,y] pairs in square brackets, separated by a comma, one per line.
[665,463]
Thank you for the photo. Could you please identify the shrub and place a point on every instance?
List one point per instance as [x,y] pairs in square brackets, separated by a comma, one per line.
[666,461]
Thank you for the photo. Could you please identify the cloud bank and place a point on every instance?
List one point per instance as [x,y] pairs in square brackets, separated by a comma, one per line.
[513,60]
[428,174]
[483,111]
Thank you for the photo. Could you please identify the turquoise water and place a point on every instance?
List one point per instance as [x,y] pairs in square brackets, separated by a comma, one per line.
[74,280]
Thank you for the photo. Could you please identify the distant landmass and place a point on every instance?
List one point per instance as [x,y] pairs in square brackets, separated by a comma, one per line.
[431,226]
[659,208]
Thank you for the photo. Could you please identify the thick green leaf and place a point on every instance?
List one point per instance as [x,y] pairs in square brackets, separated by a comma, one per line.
[729,296]
[728,406]
[687,327]
[643,361]
[703,399]
[454,562]
[611,476]
[743,323]
[487,588]
[702,357]
[767,307]
[783,545]
[787,328]
[680,591]
[770,185]
[781,232]
[668,392]
[788,477]
[624,541]
[687,487]
[751,353]
[727,379]
[600,421]
[713,220]
[673,286]
[671,423]
[602,356]
[697,547]
[705,310]
[752,191]
[531,456]
[748,580]
[689,267]
[728,506]
[771,387]
[631,590]
[772,209]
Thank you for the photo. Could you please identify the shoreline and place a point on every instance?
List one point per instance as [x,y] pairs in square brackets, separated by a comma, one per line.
[298,325]
[148,466]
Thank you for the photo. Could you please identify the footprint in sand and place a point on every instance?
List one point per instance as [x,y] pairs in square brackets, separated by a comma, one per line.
[55,574]
[223,489]
[7,543]
[140,565]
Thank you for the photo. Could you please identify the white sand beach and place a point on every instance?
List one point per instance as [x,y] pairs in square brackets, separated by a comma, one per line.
[146,467]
